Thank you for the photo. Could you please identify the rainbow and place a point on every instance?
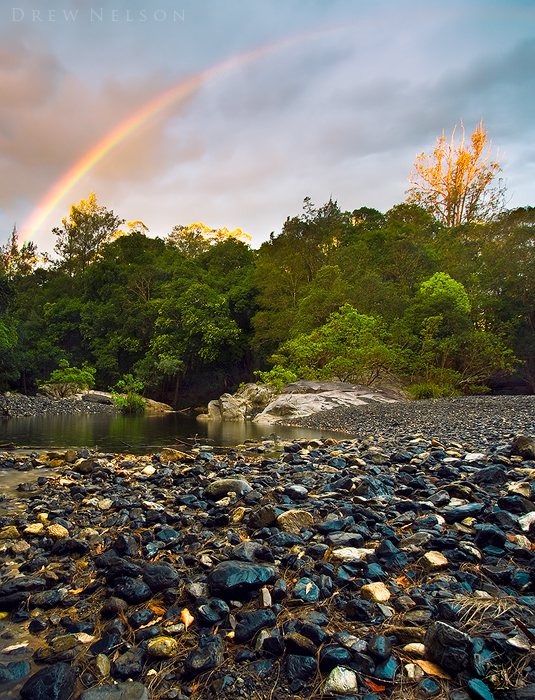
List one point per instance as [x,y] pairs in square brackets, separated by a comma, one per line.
[143,115]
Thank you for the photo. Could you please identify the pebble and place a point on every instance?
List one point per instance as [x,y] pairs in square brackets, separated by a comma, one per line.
[352,559]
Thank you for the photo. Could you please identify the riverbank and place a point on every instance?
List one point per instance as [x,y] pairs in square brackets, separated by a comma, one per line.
[463,418]
[20,406]
[380,567]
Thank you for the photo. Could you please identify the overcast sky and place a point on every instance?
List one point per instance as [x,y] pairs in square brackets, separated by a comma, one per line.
[344,96]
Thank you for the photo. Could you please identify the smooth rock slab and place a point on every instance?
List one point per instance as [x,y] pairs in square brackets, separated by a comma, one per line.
[340,680]
[118,691]
[54,682]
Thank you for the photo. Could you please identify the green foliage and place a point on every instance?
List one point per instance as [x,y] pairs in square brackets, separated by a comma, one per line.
[277,377]
[430,390]
[68,380]
[126,395]
[351,346]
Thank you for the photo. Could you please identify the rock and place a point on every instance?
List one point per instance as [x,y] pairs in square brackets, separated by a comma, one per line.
[55,682]
[98,397]
[232,578]
[433,561]
[14,671]
[249,624]
[118,691]
[448,646]
[159,576]
[132,590]
[480,690]
[294,521]
[375,591]
[523,446]
[162,647]
[299,667]
[221,487]
[207,656]
[340,680]
[306,590]
[129,664]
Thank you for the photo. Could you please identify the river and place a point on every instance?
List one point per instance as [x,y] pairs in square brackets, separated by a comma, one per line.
[109,432]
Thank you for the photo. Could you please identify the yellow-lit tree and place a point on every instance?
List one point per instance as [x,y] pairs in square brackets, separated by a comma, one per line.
[81,235]
[454,182]
[196,238]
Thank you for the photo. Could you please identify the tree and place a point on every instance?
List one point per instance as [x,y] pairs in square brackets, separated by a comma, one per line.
[18,261]
[197,238]
[454,183]
[88,227]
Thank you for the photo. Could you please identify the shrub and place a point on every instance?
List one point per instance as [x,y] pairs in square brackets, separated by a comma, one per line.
[431,390]
[67,380]
[126,395]
[277,377]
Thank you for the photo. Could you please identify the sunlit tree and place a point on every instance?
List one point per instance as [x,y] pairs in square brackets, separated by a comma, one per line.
[82,234]
[197,238]
[455,182]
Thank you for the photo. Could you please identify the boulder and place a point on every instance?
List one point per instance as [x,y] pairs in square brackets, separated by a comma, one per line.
[98,397]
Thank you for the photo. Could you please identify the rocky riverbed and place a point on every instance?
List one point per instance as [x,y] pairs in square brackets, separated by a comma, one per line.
[20,406]
[399,564]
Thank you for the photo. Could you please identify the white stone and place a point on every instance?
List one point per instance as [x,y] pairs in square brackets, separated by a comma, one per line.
[525,521]
[340,680]
[351,553]
[414,672]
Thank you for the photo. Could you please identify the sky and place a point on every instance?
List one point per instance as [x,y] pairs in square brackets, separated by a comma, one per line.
[231,112]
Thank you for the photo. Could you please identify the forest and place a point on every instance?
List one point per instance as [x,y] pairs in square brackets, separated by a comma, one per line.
[438,294]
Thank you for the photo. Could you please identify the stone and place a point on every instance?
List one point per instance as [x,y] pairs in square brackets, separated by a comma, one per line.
[433,561]
[14,671]
[55,682]
[348,554]
[208,654]
[252,622]
[56,531]
[379,647]
[448,646]
[480,690]
[296,643]
[306,590]
[299,667]
[9,532]
[134,591]
[376,591]
[164,647]
[117,691]
[221,487]
[129,664]
[232,578]
[340,680]
[523,446]
[160,575]
[294,521]
[170,455]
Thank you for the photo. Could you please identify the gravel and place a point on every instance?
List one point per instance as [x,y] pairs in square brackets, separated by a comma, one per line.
[19,406]
[462,418]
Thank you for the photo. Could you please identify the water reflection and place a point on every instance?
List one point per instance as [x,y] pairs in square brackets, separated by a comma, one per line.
[119,433]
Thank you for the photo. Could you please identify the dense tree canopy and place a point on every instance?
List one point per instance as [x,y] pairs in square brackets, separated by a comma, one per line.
[359,295]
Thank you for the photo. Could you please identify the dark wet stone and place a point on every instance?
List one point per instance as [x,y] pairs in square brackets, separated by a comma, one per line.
[299,667]
[363,663]
[279,590]
[168,536]
[274,644]
[379,647]
[54,682]
[37,625]
[134,591]
[127,545]
[386,670]
[297,643]
[455,515]
[489,536]
[206,656]
[232,578]
[13,601]
[251,623]
[21,584]
[345,539]
[284,539]
[333,655]
[47,599]
[489,475]
[129,664]
[515,504]
[306,590]
[479,690]
[427,687]
[120,568]
[263,516]
[360,610]
[114,606]
[105,643]
[14,671]
[448,646]
[160,575]
[526,693]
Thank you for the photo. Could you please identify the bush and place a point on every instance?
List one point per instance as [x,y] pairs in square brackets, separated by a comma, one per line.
[126,397]
[67,380]
[430,390]
[277,377]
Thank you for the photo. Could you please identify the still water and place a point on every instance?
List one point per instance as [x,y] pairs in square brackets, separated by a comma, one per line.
[136,434]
